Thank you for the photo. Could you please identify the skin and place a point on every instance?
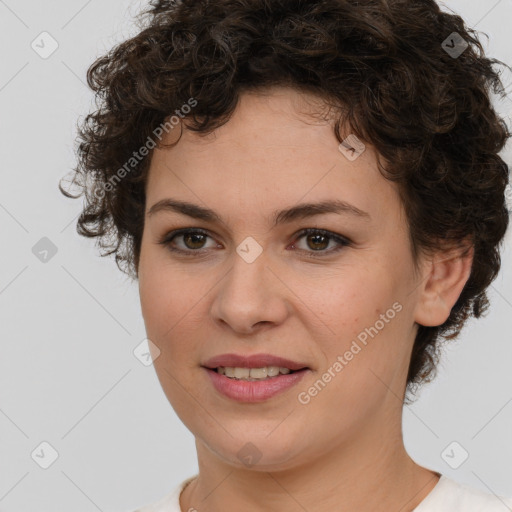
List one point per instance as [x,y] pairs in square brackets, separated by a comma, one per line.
[342,451]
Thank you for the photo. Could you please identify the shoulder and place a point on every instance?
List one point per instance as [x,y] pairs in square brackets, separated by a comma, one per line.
[452,496]
[168,503]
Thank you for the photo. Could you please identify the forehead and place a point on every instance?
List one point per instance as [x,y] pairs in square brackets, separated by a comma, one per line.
[278,148]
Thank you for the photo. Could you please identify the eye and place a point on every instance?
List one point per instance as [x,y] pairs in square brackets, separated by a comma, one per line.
[194,240]
[318,240]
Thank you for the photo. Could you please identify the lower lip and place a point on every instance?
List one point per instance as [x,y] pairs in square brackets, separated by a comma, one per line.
[254,391]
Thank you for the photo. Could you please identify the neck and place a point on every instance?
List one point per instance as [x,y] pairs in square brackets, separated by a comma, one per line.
[370,473]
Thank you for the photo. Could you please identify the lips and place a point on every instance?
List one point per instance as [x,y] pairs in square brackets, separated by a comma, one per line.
[252,361]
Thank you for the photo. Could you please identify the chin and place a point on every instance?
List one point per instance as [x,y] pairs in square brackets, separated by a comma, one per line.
[255,451]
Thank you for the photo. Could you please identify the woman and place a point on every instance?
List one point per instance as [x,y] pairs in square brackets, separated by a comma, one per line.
[310,196]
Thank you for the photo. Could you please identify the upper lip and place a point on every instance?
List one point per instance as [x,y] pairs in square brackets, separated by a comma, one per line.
[252,361]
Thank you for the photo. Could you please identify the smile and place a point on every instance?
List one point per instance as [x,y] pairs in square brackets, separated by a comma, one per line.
[250,389]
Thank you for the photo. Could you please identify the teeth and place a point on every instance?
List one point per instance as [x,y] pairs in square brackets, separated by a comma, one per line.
[252,373]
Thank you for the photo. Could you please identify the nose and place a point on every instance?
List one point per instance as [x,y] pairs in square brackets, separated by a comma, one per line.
[250,296]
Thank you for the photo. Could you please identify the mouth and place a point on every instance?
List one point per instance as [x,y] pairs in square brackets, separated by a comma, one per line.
[254,374]
[255,377]
[258,365]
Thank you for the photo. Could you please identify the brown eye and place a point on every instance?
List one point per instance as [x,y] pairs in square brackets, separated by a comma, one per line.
[192,241]
[318,240]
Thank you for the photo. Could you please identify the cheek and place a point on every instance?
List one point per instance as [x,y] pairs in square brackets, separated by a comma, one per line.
[166,292]
[360,361]
[355,301]
[367,323]
[172,304]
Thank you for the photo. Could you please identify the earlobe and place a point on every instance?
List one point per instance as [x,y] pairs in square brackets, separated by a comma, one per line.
[443,281]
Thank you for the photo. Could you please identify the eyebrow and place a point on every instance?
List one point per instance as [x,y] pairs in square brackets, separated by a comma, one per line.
[301,211]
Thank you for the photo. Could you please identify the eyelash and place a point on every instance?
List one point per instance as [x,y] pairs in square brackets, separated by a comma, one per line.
[341,241]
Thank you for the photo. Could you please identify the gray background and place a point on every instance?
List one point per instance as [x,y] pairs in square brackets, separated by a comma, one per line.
[69,326]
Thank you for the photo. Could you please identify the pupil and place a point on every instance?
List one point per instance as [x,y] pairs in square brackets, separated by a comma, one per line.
[193,236]
[317,237]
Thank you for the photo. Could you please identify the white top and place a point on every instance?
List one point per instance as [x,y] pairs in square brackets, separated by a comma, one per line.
[447,496]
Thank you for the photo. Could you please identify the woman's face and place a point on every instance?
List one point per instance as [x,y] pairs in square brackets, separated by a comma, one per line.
[253,286]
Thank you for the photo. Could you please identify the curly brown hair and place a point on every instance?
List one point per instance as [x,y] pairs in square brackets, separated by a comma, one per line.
[385,63]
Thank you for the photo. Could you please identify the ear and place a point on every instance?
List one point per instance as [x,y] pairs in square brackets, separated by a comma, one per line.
[444,278]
